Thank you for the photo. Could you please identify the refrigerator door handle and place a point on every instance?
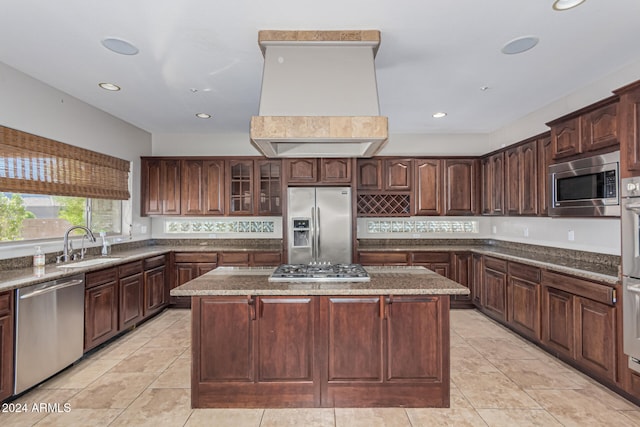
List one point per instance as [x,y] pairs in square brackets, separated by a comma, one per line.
[318,233]
[313,235]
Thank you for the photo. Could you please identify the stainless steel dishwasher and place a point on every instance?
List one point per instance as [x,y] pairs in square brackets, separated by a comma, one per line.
[49,329]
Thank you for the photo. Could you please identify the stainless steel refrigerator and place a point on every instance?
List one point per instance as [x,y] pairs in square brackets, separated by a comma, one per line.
[319,223]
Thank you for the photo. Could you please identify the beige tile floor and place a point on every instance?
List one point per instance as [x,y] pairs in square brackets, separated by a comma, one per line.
[497,379]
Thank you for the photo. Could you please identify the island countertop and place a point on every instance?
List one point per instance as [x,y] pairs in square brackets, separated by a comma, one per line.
[384,280]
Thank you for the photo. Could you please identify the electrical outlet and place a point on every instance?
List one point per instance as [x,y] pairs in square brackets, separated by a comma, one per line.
[416,235]
[143,229]
[494,229]
[526,232]
[571,235]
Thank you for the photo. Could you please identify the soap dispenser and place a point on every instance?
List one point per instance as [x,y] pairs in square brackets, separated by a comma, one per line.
[106,247]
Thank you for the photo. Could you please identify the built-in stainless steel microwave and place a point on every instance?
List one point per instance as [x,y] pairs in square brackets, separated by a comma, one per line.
[586,187]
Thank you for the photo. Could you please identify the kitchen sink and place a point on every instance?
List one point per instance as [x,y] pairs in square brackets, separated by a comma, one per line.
[87,263]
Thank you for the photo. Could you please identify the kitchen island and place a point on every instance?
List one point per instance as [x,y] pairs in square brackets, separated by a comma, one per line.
[261,344]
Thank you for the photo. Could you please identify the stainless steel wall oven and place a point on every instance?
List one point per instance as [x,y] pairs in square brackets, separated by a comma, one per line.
[630,226]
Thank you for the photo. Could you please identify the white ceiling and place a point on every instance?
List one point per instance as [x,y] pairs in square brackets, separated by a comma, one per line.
[434,55]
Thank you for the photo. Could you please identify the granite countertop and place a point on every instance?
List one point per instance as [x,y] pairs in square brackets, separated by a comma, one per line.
[21,277]
[384,280]
[586,268]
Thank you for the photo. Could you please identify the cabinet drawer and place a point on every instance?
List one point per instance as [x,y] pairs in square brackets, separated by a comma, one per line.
[96,278]
[495,264]
[430,257]
[524,272]
[267,258]
[155,261]
[584,288]
[196,257]
[5,302]
[383,258]
[129,269]
[234,258]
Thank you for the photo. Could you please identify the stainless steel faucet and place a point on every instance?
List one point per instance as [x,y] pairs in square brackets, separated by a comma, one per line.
[66,244]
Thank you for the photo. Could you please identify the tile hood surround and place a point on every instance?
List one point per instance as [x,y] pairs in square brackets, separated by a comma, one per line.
[319,95]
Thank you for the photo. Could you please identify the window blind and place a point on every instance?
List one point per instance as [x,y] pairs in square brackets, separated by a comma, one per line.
[33,164]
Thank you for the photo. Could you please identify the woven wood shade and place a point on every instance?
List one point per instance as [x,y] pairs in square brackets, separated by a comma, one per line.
[33,164]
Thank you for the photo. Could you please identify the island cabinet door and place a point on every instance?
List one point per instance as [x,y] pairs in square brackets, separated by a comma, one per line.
[414,353]
[286,339]
[224,339]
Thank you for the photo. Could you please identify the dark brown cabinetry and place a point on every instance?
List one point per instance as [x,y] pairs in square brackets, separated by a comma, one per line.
[494,288]
[579,322]
[203,187]
[521,170]
[268,187]
[383,258]
[321,351]
[156,286]
[493,184]
[428,187]
[476,283]
[545,158]
[523,299]
[131,294]
[319,171]
[438,262]
[369,174]
[240,187]
[6,344]
[100,307]
[255,349]
[462,272]
[593,128]
[160,182]
[188,266]
[398,174]
[460,186]
[629,129]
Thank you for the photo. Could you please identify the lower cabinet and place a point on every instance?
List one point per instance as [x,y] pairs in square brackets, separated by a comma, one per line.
[494,288]
[523,299]
[131,287]
[100,307]
[383,258]
[462,272]
[156,293]
[6,344]
[579,323]
[187,266]
[322,351]
[438,262]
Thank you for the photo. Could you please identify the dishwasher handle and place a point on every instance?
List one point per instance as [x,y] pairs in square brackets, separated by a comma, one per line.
[52,288]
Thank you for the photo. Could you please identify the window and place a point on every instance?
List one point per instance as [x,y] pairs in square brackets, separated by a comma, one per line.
[40,216]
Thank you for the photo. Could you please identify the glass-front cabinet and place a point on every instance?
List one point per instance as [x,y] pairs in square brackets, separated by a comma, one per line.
[240,181]
[269,191]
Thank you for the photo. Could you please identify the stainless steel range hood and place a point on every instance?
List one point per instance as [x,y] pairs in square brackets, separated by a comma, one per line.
[319,95]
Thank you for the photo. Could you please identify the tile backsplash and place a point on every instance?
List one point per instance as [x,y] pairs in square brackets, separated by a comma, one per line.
[228,227]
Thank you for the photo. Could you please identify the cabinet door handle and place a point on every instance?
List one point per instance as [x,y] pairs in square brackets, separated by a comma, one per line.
[252,307]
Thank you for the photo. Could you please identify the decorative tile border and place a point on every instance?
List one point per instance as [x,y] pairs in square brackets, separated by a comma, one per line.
[421,226]
[195,226]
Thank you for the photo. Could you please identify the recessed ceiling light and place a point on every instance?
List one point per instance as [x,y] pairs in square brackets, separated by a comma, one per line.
[519,45]
[109,86]
[439,114]
[120,46]
[203,116]
[484,88]
[566,4]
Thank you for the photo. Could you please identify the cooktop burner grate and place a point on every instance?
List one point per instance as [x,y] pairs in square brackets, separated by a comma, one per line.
[319,273]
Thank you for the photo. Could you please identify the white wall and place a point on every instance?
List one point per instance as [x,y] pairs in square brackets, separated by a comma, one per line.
[31,106]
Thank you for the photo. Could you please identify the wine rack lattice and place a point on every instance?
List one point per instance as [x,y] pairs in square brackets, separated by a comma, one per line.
[385,204]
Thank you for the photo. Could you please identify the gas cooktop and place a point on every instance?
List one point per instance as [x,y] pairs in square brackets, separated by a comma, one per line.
[319,273]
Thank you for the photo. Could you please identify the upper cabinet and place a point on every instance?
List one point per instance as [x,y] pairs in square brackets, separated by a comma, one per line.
[492,188]
[445,187]
[545,157]
[521,197]
[160,180]
[428,186]
[629,129]
[460,183]
[397,174]
[369,174]
[319,171]
[202,187]
[211,186]
[592,128]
